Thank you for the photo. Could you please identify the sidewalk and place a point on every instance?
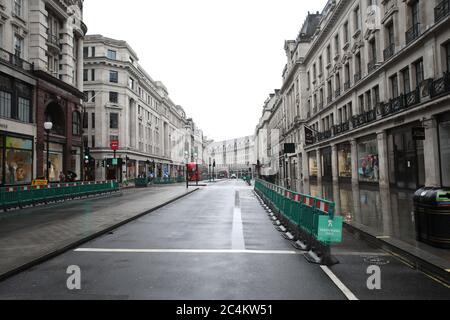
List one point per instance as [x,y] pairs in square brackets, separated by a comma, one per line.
[32,235]
[385,217]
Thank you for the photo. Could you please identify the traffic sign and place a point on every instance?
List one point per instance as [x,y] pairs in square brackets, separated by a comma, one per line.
[114,145]
[330,231]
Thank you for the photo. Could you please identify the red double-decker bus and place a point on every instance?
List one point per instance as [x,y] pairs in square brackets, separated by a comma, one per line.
[193,172]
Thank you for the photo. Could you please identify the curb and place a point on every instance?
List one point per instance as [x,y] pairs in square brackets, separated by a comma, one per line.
[405,252]
[80,242]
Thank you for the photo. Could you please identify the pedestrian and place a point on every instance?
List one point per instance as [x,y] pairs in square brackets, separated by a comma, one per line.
[62,177]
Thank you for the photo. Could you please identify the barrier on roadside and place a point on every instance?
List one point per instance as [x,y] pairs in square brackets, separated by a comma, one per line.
[311,220]
[169,180]
[20,196]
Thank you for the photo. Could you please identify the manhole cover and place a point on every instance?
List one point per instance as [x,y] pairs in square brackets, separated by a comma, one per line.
[378,261]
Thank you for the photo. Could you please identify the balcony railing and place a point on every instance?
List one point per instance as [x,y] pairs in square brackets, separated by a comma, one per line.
[358,76]
[15,60]
[366,117]
[341,128]
[440,86]
[435,88]
[413,33]
[412,98]
[347,85]
[442,10]
[389,51]
[329,99]
[372,66]
[337,93]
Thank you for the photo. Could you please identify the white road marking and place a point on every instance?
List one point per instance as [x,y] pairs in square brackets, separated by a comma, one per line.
[346,291]
[237,233]
[189,251]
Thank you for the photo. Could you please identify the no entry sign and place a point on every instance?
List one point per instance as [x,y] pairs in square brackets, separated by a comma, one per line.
[115,145]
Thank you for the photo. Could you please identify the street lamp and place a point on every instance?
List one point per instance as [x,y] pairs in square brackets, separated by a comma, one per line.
[48,126]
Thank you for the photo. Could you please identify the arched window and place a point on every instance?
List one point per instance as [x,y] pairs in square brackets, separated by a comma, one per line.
[76,123]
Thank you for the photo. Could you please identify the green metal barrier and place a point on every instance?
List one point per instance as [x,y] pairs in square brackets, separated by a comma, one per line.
[313,219]
[12,197]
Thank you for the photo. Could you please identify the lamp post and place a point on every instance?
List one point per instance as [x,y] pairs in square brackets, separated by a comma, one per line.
[196,168]
[186,156]
[48,126]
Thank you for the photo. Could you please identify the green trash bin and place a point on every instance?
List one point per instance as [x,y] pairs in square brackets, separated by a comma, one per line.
[432,216]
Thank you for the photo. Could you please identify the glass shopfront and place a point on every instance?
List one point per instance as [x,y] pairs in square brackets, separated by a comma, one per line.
[76,162]
[16,160]
[345,160]
[444,141]
[368,160]
[406,158]
[56,159]
[327,167]
[313,169]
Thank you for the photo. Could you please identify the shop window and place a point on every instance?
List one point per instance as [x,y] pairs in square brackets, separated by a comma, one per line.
[444,139]
[18,161]
[345,161]
[313,168]
[55,160]
[368,161]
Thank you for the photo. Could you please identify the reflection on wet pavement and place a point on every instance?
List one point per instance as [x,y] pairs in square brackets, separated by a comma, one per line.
[388,211]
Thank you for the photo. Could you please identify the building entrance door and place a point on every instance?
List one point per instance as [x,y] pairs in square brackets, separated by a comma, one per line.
[408,160]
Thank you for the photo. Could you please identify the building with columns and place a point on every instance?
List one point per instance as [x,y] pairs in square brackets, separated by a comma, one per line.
[125,104]
[366,95]
[41,64]
[235,156]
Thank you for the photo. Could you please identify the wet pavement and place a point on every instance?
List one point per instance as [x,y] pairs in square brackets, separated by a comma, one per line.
[215,244]
[389,212]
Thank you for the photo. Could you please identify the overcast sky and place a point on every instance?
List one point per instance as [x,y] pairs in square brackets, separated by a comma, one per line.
[219,59]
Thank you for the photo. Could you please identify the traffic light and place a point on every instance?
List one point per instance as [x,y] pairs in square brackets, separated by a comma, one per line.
[87,156]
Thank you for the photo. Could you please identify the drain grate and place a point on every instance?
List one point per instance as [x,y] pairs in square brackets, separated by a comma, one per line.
[376,260]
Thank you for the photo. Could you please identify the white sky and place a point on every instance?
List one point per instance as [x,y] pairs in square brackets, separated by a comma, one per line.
[219,59]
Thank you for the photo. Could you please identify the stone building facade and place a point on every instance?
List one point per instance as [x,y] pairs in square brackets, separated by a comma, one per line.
[40,65]
[125,104]
[366,95]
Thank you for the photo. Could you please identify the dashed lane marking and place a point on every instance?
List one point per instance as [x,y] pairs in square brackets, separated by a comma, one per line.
[346,291]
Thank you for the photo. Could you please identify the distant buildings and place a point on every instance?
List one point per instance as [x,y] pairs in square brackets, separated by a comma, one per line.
[365,83]
[235,156]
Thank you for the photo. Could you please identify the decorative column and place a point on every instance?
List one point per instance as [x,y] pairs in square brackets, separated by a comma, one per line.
[431,150]
[383,159]
[355,175]
[319,167]
[334,163]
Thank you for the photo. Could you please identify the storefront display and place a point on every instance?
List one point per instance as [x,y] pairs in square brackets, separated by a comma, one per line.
[313,169]
[345,160]
[76,162]
[368,160]
[444,140]
[56,161]
[18,160]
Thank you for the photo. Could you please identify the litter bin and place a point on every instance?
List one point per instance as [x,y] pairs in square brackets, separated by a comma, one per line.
[432,214]
[141,182]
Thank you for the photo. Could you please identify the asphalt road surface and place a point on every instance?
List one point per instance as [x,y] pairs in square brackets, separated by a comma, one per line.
[216,244]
